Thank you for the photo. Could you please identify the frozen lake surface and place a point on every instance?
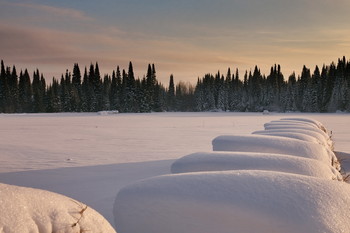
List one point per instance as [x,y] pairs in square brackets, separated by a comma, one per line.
[90,157]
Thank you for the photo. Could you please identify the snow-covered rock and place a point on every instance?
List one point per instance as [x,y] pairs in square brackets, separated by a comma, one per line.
[302,127]
[38,211]
[289,124]
[318,136]
[292,122]
[233,201]
[308,120]
[222,161]
[295,135]
[273,144]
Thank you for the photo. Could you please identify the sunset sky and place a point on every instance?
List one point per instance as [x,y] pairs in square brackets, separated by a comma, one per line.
[187,38]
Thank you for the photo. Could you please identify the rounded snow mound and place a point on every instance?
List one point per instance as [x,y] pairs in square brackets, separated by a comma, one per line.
[307,120]
[326,141]
[293,122]
[295,135]
[273,144]
[223,161]
[233,201]
[269,126]
[39,211]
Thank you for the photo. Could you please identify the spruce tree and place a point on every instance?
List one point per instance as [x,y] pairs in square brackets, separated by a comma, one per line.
[38,93]
[25,92]
[2,87]
[171,94]
[76,89]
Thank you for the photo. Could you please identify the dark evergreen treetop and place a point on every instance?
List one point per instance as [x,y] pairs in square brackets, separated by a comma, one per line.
[324,90]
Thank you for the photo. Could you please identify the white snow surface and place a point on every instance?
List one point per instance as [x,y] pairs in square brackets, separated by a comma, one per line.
[325,141]
[293,122]
[286,126]
[295,135]
[308,120]
[222,161]
[38,211]
[273,144]
[90,157]
[233,201]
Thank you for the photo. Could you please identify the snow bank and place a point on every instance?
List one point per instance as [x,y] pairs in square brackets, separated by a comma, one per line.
[273,144]
[38,211]
[233,201]
[318,136]
[221,161]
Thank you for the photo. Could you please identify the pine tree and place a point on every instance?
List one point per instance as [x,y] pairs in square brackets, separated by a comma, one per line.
[38,93]
[129,95]
[25,92]
[2,87]
[106,104]
[171,94]
[85,92]
[93,89]
[12,104]
[290,95]
[304,94]
[76,89]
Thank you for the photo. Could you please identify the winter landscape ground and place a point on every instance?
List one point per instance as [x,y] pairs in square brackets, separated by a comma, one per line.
[91,156]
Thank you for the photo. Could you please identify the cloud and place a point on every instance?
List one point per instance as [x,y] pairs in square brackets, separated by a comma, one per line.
[31,45]
[53,38]
[52,11]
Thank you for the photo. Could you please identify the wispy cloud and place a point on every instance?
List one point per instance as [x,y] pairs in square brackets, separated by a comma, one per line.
[238,34]
[51,10]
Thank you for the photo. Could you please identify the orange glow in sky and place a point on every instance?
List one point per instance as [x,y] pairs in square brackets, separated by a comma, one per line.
[185,38]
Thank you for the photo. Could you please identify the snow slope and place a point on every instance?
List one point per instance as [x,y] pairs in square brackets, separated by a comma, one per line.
[38,211]
[233,201]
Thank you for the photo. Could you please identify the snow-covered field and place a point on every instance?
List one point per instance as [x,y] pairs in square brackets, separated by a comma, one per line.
[90,157]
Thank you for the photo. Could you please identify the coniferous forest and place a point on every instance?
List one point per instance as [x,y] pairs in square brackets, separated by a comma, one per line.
[325,89]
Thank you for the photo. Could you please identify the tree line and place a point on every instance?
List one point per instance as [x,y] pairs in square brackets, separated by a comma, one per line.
[324,90]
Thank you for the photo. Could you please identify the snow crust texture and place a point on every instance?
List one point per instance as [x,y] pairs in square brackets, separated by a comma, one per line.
[39,211]
[283,179]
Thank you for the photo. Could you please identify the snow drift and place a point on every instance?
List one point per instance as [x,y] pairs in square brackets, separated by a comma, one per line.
[233,201]
[222,161]
[38,211]
[273,144]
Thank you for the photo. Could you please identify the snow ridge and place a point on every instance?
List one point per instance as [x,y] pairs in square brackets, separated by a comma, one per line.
[283,179]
